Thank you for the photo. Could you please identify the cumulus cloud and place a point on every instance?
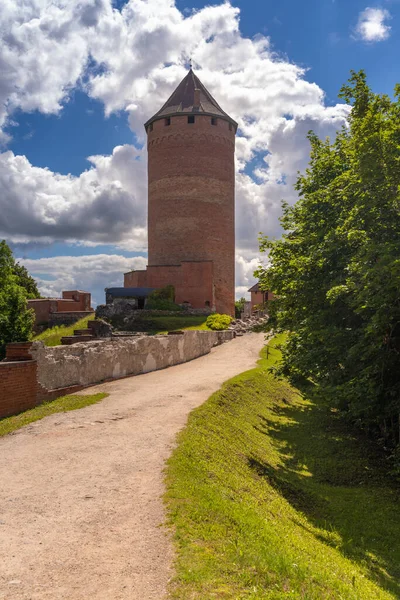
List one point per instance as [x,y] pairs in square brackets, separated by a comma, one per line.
[91,273]
[372,26]
[104,204]
[131,60]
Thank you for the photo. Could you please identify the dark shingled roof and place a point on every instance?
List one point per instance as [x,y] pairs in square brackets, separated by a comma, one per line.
[255,288]
[129,292]
[182,101]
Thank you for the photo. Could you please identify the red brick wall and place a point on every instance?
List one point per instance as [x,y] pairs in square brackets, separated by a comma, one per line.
[43,308]
[160,276]
[191,198]
[17,387]
[74,301]
[82,300]
[193,281]
[197,284]
[260,297]
[135,279]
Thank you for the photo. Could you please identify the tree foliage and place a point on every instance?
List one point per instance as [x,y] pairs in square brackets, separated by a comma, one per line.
[16,321]
[336,270]
[239,307]
[26,281]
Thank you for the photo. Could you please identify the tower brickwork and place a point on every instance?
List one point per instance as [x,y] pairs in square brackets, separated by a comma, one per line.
[191,199]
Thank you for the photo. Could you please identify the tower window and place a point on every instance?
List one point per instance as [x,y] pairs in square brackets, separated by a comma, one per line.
[213,121]
[167,121]
[191,119]
[150,127]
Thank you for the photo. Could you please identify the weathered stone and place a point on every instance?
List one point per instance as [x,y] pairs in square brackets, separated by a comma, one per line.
[99,360]
[100,328]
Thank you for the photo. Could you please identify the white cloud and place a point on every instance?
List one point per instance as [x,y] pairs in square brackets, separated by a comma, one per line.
[131,60]
[102,205]
[371,26]
[91,273]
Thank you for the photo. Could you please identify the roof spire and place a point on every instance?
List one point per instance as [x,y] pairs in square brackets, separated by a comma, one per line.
[190,96]
[190,63]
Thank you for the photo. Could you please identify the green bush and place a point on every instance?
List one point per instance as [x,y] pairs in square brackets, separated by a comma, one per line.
[218,322]
[239,307]
[163,299]
[160,304]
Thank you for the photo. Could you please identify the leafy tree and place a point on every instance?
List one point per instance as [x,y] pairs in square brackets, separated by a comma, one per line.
[239,307]
[16,321]
[26,281]
[336,270]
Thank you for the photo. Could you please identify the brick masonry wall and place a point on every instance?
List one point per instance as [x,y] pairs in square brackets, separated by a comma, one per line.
[193,281]
[191,198]
[43,307]
[135,279]
[17,387]
[82,299]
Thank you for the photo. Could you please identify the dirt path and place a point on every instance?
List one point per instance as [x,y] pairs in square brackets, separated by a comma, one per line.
[80,506]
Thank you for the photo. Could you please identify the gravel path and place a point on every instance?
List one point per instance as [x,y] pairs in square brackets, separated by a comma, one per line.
[80,493]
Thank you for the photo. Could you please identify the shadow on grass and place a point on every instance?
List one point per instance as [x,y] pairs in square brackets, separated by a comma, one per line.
[338,481]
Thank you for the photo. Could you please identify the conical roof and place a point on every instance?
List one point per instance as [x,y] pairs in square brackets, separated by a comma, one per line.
[182,101]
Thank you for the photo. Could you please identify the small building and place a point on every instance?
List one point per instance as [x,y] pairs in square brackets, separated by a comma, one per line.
[72,306]
[137,296]
[259,296]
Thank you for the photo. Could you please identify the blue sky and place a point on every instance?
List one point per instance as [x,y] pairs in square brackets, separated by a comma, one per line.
[108,71]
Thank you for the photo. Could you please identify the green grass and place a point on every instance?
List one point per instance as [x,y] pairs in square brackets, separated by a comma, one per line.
[162,324]
[63,404]
[272,496]
[52,336]
[153,325]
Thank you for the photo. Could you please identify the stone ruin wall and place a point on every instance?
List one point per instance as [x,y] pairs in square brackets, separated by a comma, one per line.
[34,373]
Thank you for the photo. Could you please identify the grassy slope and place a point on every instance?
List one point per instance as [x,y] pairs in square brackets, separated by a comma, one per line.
[273,497]
[156,324]
[161,323]
[52,337]
[63,404]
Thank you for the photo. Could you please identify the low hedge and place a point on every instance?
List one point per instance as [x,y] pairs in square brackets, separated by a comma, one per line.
[218,322]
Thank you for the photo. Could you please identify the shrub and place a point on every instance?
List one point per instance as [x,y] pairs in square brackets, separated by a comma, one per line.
[163,299]
[239,307]
[218,322]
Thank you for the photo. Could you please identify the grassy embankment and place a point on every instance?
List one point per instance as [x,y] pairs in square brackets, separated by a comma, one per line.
[153,325]
[52,336]
[272,496]
[162,324]
[63,404]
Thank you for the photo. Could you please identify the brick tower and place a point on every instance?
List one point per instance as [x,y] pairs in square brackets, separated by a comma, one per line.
[191,199]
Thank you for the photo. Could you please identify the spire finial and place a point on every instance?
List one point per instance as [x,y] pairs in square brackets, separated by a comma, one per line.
[190,63]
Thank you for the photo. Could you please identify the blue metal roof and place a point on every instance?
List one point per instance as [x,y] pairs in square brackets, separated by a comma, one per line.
[129,292]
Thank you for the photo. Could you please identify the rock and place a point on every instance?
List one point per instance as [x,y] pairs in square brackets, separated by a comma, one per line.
[100,328]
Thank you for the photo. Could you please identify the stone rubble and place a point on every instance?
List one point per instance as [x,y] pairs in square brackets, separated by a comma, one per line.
[246,324]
